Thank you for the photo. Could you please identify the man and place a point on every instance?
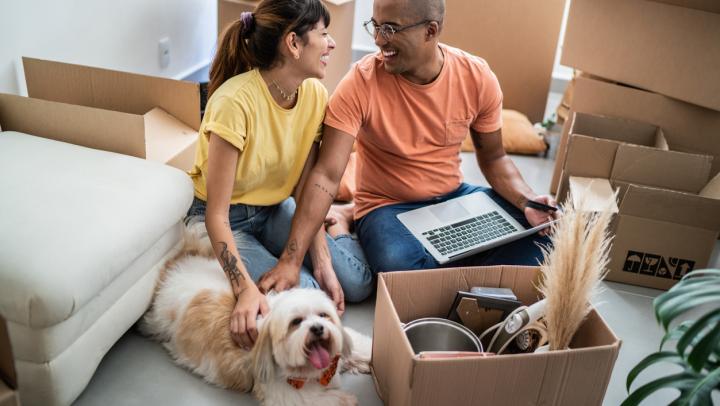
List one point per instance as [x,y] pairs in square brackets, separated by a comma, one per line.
[409,107]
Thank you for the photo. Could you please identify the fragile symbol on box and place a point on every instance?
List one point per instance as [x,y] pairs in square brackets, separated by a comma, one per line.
[656,265]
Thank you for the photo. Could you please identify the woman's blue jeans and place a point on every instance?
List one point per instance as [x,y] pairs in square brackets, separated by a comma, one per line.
[261,232]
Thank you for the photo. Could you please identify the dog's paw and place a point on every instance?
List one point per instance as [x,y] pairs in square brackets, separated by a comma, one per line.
[359,360]
[355,366]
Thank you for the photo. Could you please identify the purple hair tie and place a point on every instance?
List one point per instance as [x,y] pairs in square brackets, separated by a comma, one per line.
[248,21]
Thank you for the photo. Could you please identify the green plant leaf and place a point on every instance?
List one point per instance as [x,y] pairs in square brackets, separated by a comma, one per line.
[701,394]
[693,333]
[683,303]
[676,332]
[702,350]
[698,273]
[669,298]
[666,356]
[683,381]
[688,286]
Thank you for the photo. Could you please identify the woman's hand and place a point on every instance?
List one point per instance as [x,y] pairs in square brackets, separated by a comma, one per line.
[325,276]
[536,217]
[243,320]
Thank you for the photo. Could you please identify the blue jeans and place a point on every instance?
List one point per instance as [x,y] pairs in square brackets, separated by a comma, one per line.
[389,246]
[261,232]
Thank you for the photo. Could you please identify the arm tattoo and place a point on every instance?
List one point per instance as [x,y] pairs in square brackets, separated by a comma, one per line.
[291,248]
[325,190]
[229,265]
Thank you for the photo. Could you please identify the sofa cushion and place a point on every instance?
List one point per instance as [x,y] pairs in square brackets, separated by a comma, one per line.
[73,219]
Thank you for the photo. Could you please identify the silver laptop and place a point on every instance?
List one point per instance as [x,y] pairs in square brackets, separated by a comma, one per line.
[464,226]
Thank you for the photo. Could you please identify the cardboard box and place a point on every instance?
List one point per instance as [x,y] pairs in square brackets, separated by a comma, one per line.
[686,127]
[9,395]
[518,39]
[342,16]
[628,151]
[658,46]
[578,376]
[661,234]
[144,116]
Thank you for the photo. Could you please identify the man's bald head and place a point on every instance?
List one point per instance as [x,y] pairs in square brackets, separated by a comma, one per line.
[433,10]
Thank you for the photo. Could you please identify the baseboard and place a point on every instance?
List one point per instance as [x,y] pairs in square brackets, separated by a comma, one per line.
[197,73]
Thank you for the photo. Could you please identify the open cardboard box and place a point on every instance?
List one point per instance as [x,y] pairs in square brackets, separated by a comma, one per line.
[342,15]
[628,151]
[138,115]
[660,234]
[670,47]
[578,376]
[686,127]
[517,38]
[8,378]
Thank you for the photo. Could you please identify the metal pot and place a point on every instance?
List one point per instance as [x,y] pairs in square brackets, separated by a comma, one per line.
[436,334]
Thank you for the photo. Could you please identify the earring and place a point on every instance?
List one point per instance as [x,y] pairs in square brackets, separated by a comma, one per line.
[297,56]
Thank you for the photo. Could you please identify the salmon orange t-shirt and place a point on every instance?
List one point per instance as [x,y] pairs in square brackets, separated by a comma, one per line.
[408,135]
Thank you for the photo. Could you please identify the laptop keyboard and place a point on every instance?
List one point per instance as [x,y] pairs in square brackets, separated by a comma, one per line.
[468,233]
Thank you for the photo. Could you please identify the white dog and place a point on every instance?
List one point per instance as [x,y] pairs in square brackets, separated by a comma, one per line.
[299,345]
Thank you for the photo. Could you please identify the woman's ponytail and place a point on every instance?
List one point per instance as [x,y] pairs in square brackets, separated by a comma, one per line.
[233,56]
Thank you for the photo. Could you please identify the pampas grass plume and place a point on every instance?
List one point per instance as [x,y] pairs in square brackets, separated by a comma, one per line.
[572,270]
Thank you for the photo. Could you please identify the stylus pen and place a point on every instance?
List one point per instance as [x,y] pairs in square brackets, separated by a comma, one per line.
[540,206]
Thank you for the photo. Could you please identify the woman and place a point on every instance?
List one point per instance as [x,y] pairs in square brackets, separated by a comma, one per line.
[258,138]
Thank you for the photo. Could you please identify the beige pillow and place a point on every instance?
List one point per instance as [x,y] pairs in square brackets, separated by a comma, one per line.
[518,134]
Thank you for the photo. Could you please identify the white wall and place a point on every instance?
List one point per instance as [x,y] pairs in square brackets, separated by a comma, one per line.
[361,40]
[119,34]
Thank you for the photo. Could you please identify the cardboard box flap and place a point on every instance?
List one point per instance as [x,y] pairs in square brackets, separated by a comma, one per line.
[79,125]
[592,194]
[166,135]
[671,206]
[712,189]
[112,90]
[7,363]
[590,157]
[392,363]
[687,127]
[616,129]
[664,169]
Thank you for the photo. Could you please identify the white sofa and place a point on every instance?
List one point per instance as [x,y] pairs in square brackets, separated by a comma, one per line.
[83,234]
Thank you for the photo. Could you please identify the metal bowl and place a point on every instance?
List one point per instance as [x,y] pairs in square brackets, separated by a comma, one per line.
[436,334]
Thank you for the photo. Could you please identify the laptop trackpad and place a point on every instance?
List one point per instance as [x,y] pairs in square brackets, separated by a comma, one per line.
[449,212]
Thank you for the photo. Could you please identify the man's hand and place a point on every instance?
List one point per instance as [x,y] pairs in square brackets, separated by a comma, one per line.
[536,217]
[325,275]
[243,325]
[282,276]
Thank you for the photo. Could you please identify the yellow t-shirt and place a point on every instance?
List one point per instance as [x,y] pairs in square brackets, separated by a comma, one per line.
[274,142]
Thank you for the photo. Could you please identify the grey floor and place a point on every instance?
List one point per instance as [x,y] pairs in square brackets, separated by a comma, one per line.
[139,371]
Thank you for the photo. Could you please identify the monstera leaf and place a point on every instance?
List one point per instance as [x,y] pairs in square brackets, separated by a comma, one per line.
[697,342]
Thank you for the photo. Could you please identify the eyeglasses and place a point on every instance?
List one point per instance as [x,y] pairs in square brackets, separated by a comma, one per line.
[387,30]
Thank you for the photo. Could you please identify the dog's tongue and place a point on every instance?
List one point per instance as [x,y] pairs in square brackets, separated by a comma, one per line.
[319,356]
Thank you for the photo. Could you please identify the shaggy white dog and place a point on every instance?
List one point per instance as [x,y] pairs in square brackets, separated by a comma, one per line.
[300,342]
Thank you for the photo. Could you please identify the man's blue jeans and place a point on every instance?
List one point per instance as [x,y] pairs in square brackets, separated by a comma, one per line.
[261,232]
[389,246]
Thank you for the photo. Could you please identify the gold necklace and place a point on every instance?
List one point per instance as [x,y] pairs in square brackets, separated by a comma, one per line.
[287,97]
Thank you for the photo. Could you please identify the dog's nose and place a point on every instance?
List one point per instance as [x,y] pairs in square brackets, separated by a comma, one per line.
[317,329]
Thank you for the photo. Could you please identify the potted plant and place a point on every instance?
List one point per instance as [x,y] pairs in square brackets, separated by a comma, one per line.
[697,342]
